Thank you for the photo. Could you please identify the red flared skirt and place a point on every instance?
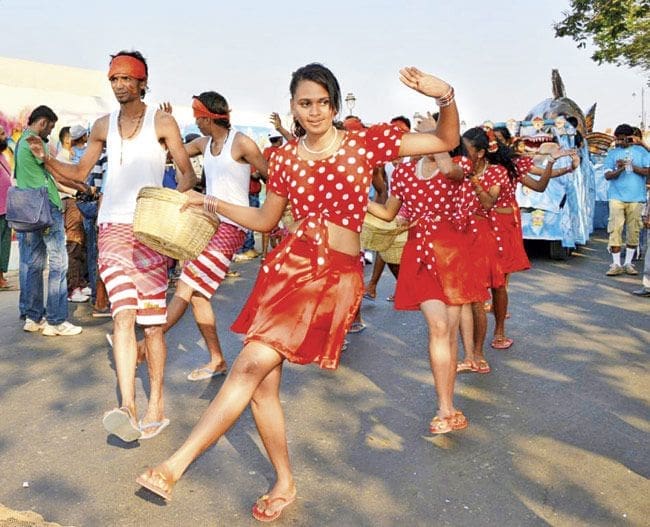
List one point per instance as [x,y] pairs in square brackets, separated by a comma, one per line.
[301,309]
[484,250]
[513,257]
[454,277]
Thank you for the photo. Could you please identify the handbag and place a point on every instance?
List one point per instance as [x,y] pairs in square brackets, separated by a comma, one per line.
[28,209]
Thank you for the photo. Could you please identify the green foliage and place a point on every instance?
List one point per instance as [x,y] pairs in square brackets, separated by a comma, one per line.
[619,29]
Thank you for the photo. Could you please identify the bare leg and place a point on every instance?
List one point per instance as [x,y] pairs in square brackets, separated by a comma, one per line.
[269,419]
[467,331]
[124,352]
[156,357]
[453,320]
[175,310]
[442,365]
[250,368]
[377,270]
[480,329]
[500,308]
[207,324]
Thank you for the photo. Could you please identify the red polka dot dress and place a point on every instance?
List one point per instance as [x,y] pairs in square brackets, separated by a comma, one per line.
[513,256]
[435,263]
[306,294]
[486,242]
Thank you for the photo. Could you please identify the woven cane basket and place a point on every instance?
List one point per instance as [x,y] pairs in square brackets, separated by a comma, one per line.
[376,234]
[160,224]
[393,254]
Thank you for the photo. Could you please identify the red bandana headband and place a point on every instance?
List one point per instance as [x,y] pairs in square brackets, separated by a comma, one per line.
[127,65]
[200,110]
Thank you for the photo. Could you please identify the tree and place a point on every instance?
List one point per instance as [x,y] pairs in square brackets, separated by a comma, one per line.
[619,29]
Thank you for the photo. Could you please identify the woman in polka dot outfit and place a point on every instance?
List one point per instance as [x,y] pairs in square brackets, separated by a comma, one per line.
[310,285]
[435,272]
[478,196]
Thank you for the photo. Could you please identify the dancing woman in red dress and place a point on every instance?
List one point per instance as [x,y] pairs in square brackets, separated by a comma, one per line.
[436,273]
[310,286]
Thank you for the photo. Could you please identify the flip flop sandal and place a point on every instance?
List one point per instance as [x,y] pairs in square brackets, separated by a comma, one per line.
[120,422]
[440,425]
[260,514]
[459,421]
[501,343]
[483,367]
[357,327]
[368,296]
[158,426]
[152,487]
[203,374]
[467,366]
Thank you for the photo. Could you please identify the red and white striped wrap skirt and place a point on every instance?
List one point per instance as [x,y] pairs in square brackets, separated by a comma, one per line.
[206,272]
[134,274]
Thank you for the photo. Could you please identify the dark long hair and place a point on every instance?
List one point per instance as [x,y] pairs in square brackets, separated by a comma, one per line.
[501,156]
[319,74]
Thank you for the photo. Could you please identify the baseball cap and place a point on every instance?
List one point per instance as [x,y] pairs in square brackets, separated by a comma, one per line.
[77,132]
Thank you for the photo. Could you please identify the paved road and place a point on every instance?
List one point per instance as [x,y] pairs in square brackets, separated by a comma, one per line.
[558,432]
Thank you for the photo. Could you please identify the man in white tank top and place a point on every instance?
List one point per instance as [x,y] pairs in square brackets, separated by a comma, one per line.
[227,157]
[135,276]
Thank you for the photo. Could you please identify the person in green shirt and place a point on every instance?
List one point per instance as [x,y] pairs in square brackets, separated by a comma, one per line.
[38,247]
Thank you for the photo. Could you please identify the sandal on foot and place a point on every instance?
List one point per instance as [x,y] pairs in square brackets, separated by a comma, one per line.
[440,425]
[157,426]
[155,481]
[262,505]
[458,421]
[357,327]
[501,342]
[369,296]
[467,366]
[121,423]
[203,374]
[483,367]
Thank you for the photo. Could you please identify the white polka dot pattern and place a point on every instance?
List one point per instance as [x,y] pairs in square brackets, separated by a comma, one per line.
[336,187]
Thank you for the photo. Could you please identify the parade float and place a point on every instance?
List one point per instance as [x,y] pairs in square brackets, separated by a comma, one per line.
[563,215]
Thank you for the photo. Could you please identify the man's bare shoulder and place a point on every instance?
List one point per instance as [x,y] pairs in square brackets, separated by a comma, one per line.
[99,129]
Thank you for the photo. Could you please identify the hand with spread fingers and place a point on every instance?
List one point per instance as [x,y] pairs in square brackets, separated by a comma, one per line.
[426,124]
[166,107]
[424,83]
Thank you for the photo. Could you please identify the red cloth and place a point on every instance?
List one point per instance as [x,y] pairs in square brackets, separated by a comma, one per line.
[337,187]
[435,263]
[301,308]
[513,257]
[207,271]
[127,65]
[134,274]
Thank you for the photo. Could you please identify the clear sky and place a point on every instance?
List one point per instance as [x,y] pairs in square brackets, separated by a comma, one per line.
[498,54]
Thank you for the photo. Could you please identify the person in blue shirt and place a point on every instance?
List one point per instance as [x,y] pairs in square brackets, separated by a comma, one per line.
[626,169]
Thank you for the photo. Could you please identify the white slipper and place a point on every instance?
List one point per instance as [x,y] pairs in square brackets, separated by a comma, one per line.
[203,374]
[158,426]
[119,422]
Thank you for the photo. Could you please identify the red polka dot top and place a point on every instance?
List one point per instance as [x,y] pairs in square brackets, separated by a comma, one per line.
[337,187]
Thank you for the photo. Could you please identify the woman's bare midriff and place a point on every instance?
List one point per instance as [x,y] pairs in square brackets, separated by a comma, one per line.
[340,239]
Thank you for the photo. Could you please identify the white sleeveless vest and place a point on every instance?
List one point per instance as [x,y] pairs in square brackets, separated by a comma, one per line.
[142,165]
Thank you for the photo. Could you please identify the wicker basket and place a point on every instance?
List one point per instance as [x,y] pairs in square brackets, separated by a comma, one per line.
[160,224]
[378,235]
[393,254]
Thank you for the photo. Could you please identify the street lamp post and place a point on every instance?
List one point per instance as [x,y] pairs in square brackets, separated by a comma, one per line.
[642,117]
[350,101]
